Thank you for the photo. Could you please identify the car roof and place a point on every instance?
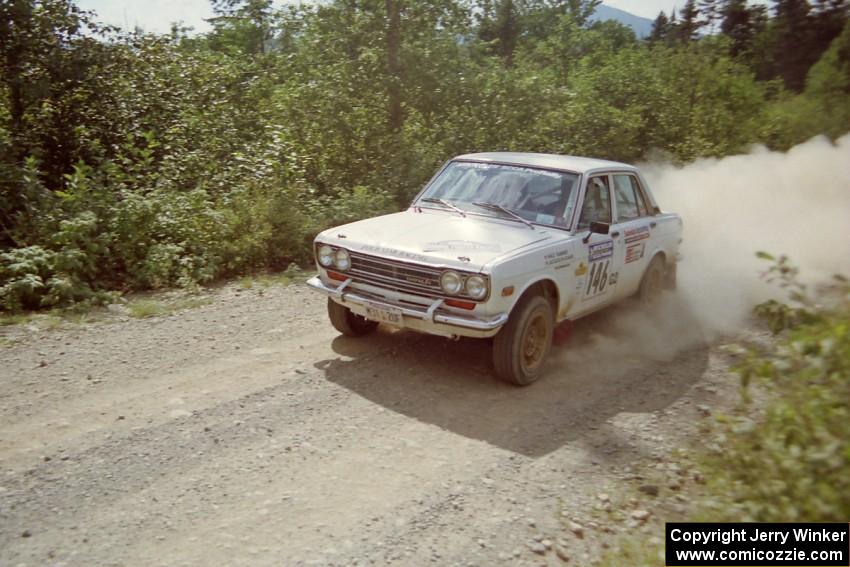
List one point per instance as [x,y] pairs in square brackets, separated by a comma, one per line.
[549,161]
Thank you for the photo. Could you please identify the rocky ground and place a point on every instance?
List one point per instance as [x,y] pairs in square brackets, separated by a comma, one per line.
[247,432]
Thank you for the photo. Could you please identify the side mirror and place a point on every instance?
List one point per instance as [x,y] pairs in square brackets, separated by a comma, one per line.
[597,228]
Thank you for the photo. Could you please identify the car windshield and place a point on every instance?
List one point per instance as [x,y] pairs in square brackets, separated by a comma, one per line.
[537,195]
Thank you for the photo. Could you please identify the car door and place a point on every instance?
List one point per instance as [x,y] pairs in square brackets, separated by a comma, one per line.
[600,256]
[633,227]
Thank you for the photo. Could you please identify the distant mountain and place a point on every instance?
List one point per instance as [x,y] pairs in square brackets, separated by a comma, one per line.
[641,26]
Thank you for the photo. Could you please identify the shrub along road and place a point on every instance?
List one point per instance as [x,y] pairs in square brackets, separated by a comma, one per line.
[246,431]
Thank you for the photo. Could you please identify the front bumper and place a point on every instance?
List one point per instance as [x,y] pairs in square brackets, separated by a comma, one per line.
[426,319]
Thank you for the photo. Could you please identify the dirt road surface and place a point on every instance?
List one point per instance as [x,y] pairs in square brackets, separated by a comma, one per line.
[247,432]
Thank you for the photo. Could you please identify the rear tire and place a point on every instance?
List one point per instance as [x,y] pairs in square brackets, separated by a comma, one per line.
[521,346]
[652,283]
[670,279]
[348,323]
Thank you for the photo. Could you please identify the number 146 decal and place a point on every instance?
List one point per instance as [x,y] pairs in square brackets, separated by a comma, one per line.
[598,278]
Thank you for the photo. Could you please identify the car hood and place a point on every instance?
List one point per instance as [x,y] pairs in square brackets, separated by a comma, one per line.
[442,238]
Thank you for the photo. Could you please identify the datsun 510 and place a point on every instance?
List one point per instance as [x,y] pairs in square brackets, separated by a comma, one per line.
[502,245]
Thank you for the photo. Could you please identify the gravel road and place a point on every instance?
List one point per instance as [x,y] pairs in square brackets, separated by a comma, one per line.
[247,432]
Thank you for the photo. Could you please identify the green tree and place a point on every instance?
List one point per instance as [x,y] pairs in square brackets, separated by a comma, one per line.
[689,24]
[742,24]
[499,26]
[245,26]
[660,29]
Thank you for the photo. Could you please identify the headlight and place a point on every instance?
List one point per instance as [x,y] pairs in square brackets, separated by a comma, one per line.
[342,260]
[451,282]
[476,287]
[326,255]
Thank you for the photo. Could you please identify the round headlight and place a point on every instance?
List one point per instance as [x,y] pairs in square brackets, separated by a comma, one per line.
[342,260]
[326,255]
[451,282]
[476,287]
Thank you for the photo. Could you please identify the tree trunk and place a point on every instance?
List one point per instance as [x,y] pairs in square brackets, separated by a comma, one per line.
[396,118]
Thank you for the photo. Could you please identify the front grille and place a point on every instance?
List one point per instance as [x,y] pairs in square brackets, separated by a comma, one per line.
[396,275]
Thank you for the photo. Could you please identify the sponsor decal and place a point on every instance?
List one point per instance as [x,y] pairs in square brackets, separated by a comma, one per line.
[579,285]
[612,279]
[394,252]
[581,269]
[601,251]
[598,281]
[559,257]
[634,252]
[637,234]
[464,245]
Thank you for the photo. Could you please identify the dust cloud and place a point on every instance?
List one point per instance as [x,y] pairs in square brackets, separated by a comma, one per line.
[795,203]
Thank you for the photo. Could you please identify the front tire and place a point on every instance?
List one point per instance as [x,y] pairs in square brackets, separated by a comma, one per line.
[521,346]
[348,323]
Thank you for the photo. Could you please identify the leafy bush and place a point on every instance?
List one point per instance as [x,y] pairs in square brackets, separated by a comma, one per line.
[792,464]
[138,161]
[35,278]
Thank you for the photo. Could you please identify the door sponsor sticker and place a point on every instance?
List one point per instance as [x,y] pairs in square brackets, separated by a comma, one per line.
[599,261]
[635,252]
[601,251]
[637,234]
[597,281]
[581,269]
[635,245]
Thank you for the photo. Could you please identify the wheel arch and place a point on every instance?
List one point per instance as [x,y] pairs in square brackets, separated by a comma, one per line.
[544,286]
[658,253]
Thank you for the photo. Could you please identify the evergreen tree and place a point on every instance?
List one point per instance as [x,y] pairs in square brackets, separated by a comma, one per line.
[660,29]
[796,45]
[499,26]
[711,12]
[742,23]
[688,28]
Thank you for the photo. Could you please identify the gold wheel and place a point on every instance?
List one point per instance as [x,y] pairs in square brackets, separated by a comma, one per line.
[520,348]
[535,341]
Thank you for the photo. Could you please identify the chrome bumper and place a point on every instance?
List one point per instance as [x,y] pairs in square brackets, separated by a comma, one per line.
[430,314]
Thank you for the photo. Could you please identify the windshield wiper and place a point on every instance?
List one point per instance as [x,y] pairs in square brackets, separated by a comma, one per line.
[500,208]
[445,203]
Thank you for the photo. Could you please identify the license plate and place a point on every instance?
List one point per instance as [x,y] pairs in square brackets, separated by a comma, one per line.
[384,314]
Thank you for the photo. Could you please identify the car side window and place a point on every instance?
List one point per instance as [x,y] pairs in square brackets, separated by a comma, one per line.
[597,202]
[643,207]
[630,203]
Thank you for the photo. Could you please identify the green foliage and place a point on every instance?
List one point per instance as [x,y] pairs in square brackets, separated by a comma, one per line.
[823,107]
[792,464]
[132,161]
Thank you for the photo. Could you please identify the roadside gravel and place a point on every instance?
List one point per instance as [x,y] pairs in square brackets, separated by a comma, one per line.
[247,432]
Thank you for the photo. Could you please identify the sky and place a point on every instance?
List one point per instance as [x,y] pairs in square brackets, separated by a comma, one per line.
[151,15]
[157,15]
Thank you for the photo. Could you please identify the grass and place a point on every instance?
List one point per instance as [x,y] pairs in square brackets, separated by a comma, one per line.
[291,275]
[637,553]
[17,319]
[144,308]
[147,307]
[48,320]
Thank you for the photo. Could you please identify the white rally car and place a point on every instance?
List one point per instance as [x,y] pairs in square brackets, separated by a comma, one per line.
[502,245]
